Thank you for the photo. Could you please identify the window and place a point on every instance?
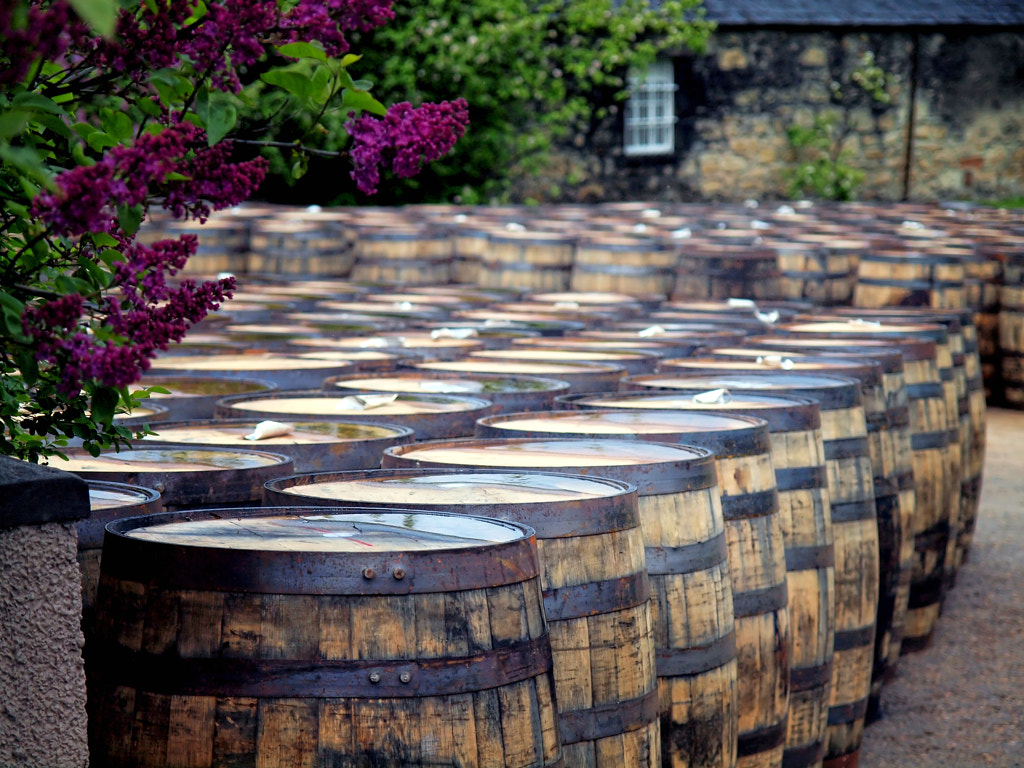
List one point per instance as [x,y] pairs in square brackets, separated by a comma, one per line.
[650,111]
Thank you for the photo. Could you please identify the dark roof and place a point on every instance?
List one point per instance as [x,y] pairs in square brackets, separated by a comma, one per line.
[866,13]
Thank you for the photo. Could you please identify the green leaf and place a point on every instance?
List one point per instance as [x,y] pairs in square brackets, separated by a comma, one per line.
[293,82]
[302,51]
[68,284]
[109,256]
[220,122]
[117,124]
[37,103]
[28,366]
[104,401]
[84,129]
[101,239]
[363,85]
[9,302]
[129,217]
[13,122]
[349,59]
[101,15]
[98,141]
[361,101]
[26,160]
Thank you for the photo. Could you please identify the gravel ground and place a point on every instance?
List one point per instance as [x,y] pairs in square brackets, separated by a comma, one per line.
[960,703]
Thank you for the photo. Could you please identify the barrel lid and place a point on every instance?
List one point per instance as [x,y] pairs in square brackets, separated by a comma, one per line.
[453,385]
[757,358]
[176,459]
[569,354]
[861,327]
[244,362]
[271,329]
[555,452]
[233,431]
[319,404]
[203,386]
[327,531]
[727,435]
[832,392]
[484,365]
[403,340]
[456,489]
[105,495]
[585,297]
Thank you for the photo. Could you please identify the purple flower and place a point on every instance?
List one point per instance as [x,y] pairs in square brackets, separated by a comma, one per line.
[406,137]
[43,33]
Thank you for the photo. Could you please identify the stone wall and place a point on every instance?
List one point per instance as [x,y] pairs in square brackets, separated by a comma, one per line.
[954,127]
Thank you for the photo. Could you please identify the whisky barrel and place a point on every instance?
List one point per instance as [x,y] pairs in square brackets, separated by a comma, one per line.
[683,528]
[407,255]
[804,510]
[582,377]
[593,576]
[285,637]
[631,361]
[193,397]
[540,261]
[107,502]
[223,245]
[314,446]
[631,265]
[508,393]
[186,477]
[757,565]
[430,416]
[854,526]
[285,371]
[282,246]
[810,271]
[410,344]
[909,278]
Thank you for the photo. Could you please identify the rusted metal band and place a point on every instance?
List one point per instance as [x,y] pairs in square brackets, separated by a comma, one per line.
[910,285]
[687,559]
[596,597]
[906,481]
[808,678]
[946,374]
[851,639]
[899,416]
[805,756]
[747,505]
[932,539]
[801,478]
[757,601]
[320,678]
[810,558]
[763,739]
[925,390]
[621,269]
[847,713]
[683,662]
[929,441]
[963,407]
[525,266]
[90,529]
[849,760]
[852,511]
[925,593]
[846,448]
[284,572]
[609,719]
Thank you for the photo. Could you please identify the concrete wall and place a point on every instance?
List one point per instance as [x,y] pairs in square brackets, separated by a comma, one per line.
[954,128]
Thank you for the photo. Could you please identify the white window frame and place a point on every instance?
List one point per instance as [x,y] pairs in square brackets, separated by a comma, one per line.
[650,115]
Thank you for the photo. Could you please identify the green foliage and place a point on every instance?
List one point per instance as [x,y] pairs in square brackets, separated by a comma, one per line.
[823,164]
[532,72]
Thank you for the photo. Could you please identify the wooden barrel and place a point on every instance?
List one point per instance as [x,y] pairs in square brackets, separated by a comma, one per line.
[410,344]
[193,397]
[623,264]
[582,377]
[402,254]
[910,279]
[286,371]
[507,393]
[148,413]
[983,279]
[888,438]
[280,246]
[721,270]
[854,527]
[186,477]
[107,502]
[540,261]
[314,446]
[843,255]
[812,272]
[620,302]
[223,245]
[430,416]
[631,362]
[1011,343]
[798,456]
[680,514]
[757,565]
[593,576]
[930,444]
[280,638]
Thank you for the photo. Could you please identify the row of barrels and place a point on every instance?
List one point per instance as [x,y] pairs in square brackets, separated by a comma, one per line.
[943,257]
[791,509]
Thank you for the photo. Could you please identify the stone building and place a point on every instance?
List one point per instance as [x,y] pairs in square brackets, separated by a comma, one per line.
[946,122]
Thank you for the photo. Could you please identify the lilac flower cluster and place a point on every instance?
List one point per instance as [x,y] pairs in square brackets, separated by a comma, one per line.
[231,34]
[85,196]
[43,33]
[148,314]
[405,139]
